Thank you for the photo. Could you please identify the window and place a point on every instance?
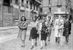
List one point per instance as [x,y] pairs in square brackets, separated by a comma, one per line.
[40,0]
[6,2]
[50,9]
[26,4]
[40,9]
[9,9]
[34,7]
[22,2]
[16,2]
[30,5]
[49,1]
[37,8]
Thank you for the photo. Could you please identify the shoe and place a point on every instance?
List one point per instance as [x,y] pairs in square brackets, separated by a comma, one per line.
[30,39]
[48,40]
[41,48]
[22,45]
[32,47]
[45,44]
[35,44]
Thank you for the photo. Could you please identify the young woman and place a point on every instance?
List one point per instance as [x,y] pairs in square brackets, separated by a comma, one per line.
[59,22]
[48,24]
[67,30]
[43,35]
[33,33]
[22,30]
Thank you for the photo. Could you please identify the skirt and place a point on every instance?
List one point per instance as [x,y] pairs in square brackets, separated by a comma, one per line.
[66,32]
[33,33]
[43,35]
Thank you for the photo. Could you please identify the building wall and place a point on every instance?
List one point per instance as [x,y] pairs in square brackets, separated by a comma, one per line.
[7,15]
[72,3]
[45,4]
[10,18]
[29,7]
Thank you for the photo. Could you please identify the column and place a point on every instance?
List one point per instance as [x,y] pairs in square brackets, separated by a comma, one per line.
[35,8]
[32,7]
[24,2]
[13,2]
[28,5]
[29,9]
[38,9]
[20,2]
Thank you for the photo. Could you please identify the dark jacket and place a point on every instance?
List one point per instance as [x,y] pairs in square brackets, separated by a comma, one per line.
[44,27]
[67,28]
[23,24]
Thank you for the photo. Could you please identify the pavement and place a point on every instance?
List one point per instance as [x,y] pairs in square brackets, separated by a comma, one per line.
[11,42]
[10,33]
[15,44]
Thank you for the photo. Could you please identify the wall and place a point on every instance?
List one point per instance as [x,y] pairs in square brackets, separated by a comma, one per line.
[45,3]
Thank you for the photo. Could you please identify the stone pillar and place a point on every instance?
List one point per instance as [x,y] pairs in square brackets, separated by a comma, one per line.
[32,6]
[13,1]
[29,10]
[24,2]
[25,13]
[38,9]
[1,14]
[20,2]
[35,8]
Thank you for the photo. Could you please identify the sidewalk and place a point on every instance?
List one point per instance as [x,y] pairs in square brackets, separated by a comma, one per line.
[7,28]
[7,38]
[10,30]
[9,33]
[16,45]
[4,31]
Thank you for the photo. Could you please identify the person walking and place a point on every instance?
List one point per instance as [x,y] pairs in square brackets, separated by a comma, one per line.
[23,24]
[67,30]
[49,28]
[33,33]
[58,28]
[43,35]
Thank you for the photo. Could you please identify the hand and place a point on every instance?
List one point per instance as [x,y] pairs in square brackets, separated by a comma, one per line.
[39,32]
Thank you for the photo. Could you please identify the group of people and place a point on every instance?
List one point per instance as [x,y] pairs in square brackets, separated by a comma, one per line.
[42,30]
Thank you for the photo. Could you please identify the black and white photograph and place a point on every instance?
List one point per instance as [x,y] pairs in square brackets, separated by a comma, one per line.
[36,24]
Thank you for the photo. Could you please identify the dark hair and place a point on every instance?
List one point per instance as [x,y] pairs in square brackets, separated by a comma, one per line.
[22,18]
[70,17]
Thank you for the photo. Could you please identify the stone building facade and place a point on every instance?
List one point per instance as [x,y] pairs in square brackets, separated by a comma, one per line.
[51,5]
[12,10]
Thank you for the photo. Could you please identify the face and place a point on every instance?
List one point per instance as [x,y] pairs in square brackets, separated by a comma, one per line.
[55,16]
[33,18]
[23,18]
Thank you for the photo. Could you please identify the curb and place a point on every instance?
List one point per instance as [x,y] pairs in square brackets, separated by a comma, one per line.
[7,28]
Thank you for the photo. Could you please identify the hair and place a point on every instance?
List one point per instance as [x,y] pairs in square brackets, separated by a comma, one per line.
[22,18]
